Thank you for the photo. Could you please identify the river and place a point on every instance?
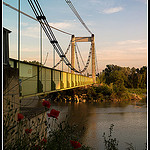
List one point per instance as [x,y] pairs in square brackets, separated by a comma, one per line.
[129,120]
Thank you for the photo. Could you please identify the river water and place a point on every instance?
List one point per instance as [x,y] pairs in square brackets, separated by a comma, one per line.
[129,120]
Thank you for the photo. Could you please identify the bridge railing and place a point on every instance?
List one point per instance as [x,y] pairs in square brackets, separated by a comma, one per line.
[36,80]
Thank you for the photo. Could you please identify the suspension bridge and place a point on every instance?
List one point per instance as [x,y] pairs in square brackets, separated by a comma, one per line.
[37,79]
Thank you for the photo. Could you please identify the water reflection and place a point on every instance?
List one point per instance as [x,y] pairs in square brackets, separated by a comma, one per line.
[129,119]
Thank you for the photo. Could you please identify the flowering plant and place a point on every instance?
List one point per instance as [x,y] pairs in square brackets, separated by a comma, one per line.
[28,131]
[20,116]
[46,104]
[16,132]
[54,113]
[75,144]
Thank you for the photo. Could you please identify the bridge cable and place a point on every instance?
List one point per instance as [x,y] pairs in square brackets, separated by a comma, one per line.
[26,78]
[77,58]
[49,37]
[77,14]
[40,17]
[8,5]
[88,60]
[80,54]
[96,61]
[45,59]
[62,58]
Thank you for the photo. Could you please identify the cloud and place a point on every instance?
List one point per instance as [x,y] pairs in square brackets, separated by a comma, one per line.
[24,24]
[32,31]
[61,25]
[112,10]
[130,42]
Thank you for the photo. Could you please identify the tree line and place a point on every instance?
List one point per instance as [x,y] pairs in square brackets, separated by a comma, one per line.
[124,76]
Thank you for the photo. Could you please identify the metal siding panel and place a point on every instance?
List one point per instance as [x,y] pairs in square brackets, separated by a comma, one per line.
[48,79]
[79,80]
[11,63]
[72,80]
[69,80]
[76,80]
[29,84]
[25,70]
[65,79]
[57,79]
[44,79]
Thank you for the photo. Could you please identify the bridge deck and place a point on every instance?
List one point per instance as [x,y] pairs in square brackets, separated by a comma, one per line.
[37,80]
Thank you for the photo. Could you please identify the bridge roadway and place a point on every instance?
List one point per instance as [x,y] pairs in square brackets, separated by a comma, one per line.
[36,80]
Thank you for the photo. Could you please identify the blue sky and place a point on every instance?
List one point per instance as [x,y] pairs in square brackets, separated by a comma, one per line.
[119,26]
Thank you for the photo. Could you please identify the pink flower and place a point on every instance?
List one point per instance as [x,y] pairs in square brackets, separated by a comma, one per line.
[20,116]
[54,113]
[28,131]
[46,104]
[75,144]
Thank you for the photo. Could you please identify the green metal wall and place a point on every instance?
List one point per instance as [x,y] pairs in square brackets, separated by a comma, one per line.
[36,79]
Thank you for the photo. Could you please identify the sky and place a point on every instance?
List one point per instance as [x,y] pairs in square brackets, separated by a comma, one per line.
[119,26]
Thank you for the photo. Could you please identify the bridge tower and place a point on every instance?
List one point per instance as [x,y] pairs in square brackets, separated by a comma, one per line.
[93,58]
[73,52]
[83,39]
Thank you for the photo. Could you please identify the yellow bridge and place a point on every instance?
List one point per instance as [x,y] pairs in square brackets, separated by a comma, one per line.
[37,80]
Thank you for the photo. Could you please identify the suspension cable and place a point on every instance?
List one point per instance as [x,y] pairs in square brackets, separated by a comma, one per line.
[45,59]
[6,4]
[80,55]
[42,20]
[77,14]
[96,61]
[88,61]
[60,53]
[77,57]
[62,58]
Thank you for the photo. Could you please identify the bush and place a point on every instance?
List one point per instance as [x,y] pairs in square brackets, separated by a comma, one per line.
[119,90]
[27,134]
[110,143]
[104,89]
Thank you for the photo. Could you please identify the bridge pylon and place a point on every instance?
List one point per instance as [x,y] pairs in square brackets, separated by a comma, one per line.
[93,58]
[83,39]
[73,52]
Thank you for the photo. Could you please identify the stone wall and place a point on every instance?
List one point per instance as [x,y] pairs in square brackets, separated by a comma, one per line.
[10,88]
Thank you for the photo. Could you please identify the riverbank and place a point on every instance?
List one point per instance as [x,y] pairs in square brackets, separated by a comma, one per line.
[100,93]
[90,115]
[128,118]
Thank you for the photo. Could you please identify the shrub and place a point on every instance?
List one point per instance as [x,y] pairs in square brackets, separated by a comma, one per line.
[23,133]
[110,143]
[104,89]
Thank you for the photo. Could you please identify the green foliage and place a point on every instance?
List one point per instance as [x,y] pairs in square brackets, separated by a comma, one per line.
[130,78]
[91,93]
[110,142]
[119,90]
[104,89]
[59,137]
[138,91]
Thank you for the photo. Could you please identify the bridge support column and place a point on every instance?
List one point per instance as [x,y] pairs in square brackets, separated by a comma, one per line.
[72,52]
[93,58]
